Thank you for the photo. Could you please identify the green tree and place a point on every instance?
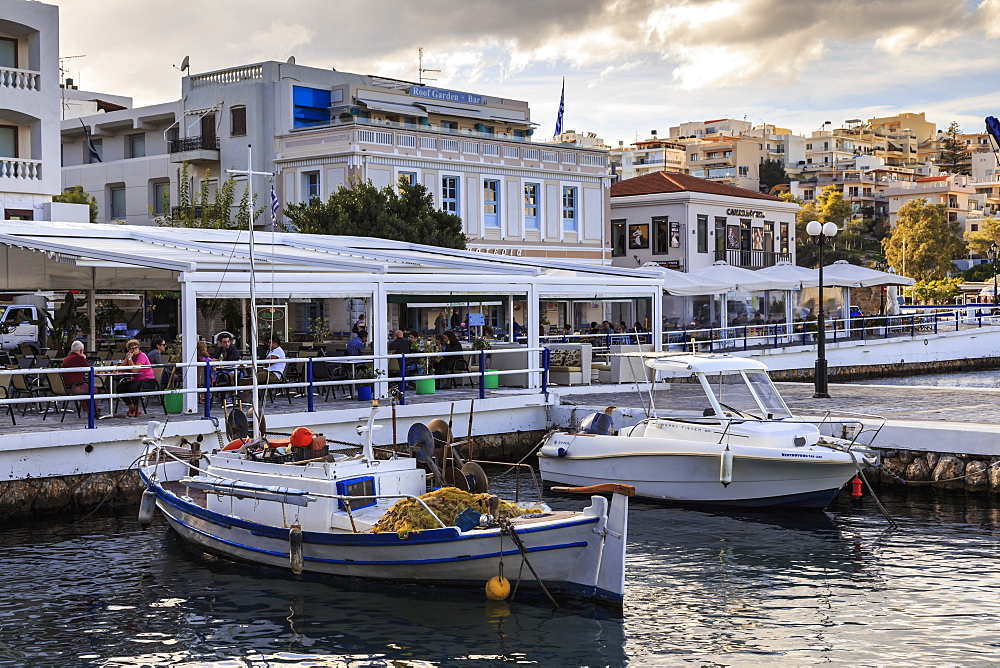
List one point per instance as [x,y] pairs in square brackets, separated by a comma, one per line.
[935,292]
[931,241]
[76,195]
[953,154]
[402,213]
[979,273]
[988,234]
[771,174]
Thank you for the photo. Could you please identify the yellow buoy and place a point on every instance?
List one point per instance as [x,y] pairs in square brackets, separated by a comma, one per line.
[497,588]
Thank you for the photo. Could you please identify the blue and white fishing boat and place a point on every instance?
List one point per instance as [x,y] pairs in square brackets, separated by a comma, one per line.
[742,447]
[318,517]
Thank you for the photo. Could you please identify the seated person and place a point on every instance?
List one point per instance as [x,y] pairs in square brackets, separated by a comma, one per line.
[275,352]
[141,380]
[356,346]
[400,345]
[155,356]
[450,344]
[226,352]
[77,382]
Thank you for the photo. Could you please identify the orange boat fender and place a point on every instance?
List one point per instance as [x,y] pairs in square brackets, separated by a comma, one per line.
[302,437]
[236,444]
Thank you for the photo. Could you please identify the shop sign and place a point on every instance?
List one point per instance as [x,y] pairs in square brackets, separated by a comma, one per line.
[442,95]
[745,213]
[512,252]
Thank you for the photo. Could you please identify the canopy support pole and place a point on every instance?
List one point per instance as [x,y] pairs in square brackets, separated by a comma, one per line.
[92,312]
[189,339]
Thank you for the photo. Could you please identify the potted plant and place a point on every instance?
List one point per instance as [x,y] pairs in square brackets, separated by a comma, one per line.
[364,372]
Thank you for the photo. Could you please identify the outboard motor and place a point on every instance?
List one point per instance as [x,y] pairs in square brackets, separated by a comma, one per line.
[601,424]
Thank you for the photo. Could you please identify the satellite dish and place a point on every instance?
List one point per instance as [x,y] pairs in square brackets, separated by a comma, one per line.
[291,60]
[186,63]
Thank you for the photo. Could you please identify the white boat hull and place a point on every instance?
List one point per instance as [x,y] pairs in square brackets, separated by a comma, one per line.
[690,472]
[579,554]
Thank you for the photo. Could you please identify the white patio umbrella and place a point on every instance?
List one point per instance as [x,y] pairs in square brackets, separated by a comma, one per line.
[745,280]
[854,276]
[804,276]
[686,285]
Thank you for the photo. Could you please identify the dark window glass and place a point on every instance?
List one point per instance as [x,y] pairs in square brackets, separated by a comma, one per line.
[618,238]
[702,234]
[238,121]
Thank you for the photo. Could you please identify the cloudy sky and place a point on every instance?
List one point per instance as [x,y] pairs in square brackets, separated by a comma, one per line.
[631,66]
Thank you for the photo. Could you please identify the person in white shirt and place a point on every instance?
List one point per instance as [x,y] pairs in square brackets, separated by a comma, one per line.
[276,353]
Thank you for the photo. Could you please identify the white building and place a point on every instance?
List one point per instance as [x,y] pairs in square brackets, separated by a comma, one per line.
[683,222]
[29,113]
[951,190]
[319,129]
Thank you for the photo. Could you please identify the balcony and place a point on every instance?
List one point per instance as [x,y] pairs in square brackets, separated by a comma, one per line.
[195,149]
[752,259]
[20,168]
[19,79]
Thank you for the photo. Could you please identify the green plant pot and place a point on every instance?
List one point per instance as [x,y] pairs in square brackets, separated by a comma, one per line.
[492,380]
[425,386]
[173,402]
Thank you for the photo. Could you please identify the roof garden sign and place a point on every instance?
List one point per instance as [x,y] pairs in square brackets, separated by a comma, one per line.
[442,95]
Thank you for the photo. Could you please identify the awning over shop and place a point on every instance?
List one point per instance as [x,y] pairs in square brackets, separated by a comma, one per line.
[685,285]
[854,276]
[744,280]
[392,107]
[455,111]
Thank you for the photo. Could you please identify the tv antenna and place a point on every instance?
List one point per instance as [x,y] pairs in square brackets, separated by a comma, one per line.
[421,69]
[63,71]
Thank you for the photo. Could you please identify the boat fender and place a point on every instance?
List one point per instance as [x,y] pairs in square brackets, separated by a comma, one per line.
[147,507]
[497,588]
[856,488]
[295,558]
[726,467]
[236,444]
[302,437]
[561,452]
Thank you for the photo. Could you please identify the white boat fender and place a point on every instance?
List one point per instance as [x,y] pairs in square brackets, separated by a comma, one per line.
[147,507]
[295,558]
[726,467]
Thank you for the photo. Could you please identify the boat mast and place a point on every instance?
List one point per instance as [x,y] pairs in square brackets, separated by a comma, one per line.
[249,173]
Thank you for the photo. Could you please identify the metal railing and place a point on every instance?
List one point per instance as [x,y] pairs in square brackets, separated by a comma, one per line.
[200,143]
[308,382]
[752,259]
[746,336]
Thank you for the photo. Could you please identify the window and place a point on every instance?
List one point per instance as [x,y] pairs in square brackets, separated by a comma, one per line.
[809,147]
[449,125]
[569,208]
[8,52]
[808,194]
[727,154]
[744,170]
[449,194]
[784,237]
[491,203]
[531,204]
[311,106]
[694,157]
[161,198]
[974,227]
[8,141]
[238,121]
[720,237]
[712,156]
[617,238]
[702,234]
[137,146]
[660,236]
[117,197]
[407,178]
[310,185]
[98,145]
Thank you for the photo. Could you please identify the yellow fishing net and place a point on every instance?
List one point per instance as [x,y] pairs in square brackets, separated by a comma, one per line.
[408,515]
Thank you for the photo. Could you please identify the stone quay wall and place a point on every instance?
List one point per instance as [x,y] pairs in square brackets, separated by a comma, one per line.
[917,469]
[868,372]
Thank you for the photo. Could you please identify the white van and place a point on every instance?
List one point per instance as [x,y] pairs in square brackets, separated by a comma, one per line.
[18,325]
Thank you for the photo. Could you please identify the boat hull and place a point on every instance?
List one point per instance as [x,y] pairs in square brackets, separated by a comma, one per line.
[581,556]
[761,477]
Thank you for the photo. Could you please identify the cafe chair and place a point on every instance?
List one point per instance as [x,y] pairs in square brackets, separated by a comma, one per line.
[5,394]
[57,387]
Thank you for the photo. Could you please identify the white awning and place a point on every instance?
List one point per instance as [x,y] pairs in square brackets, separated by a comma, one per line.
[841,270]
[745,280]
[685,285]
[393,108]
[456,111]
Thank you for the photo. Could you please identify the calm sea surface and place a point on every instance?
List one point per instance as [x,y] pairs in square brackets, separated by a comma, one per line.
[703,588]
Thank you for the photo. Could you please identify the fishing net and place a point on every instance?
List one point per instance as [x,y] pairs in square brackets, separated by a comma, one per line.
[408,515]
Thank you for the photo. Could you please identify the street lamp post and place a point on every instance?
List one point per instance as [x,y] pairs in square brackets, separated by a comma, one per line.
[993,253]
[821,235]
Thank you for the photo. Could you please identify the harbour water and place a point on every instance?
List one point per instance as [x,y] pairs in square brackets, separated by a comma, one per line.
[987,378]
[703,588]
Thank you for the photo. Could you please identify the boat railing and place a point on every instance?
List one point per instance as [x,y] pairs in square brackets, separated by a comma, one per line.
[307,380]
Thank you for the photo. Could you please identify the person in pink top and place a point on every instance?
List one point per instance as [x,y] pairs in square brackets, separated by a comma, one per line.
[142,380]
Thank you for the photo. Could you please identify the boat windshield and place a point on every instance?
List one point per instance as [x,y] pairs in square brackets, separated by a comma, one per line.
[733,391]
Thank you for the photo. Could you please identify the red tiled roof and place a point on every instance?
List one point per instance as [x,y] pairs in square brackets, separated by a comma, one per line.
[670,182]
[927,179]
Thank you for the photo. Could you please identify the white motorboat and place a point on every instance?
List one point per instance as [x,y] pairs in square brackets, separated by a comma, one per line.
[744,448]
[248,504]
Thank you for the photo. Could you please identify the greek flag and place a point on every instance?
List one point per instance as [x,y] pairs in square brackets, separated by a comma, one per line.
[275,207]
[92,153]
[559,116]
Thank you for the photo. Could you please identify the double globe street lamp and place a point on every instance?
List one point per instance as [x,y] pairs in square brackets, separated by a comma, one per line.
[993,252]
[822,234]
